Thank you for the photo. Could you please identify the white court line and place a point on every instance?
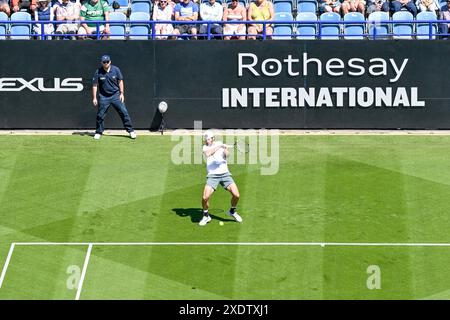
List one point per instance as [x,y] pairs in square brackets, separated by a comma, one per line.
[83,273]
[5,267]
[350,244]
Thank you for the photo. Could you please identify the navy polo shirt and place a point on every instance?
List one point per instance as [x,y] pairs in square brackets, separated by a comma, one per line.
[108,82]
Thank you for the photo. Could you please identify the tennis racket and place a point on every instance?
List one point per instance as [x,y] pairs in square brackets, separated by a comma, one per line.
[240,145]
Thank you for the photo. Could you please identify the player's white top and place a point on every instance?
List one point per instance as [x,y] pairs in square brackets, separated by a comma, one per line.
[216,163]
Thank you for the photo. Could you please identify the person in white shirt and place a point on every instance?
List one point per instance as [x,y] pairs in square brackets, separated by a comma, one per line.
[216,154]
[211,11]
[163,12]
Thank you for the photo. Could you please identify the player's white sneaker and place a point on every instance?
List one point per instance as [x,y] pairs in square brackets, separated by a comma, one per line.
[97,136]
[133,135]
[204,221]
[235,216]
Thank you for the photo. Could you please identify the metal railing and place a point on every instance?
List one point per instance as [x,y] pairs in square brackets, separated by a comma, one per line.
[371,29]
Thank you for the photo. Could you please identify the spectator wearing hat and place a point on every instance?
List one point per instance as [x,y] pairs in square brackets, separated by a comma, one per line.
[43,13]
[163,12]
[234,12]
[24,5]
[186,10]
[4,7]
[108,86]
[67,12]
[94,10]
[211,11]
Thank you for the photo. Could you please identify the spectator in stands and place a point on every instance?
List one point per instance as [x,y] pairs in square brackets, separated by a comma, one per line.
[444,28]
[427,5]
[92,10]
[377,5]
[186,10]
[24,5]
[397,5]
[234,12]
[353,6]
[162,12]
[4,7]
[43,13]
[211,11]
[67,11]
[329,6]
[260,10]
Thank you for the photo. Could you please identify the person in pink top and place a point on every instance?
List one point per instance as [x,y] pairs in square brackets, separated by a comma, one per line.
[163,12]
[234,12]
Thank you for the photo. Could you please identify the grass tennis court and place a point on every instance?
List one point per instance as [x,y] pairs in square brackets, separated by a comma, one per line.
[346,189]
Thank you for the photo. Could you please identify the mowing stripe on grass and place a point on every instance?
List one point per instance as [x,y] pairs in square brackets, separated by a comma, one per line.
[5,267]
[83,273]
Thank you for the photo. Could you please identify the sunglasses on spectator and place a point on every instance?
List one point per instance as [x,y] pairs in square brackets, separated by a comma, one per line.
[163,2]
[106,62]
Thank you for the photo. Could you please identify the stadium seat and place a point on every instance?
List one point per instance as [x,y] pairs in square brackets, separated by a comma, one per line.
[306,31]
[3,26]
[403,30]
[117,30]
[141,6]
[123,3]
[330,31]
[354,31]
[282,6]
[19,31]
[378,30]
[139,30]
[423,29]
[307,6]
[282,31]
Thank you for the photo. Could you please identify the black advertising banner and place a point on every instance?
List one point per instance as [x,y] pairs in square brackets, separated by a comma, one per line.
[231,84]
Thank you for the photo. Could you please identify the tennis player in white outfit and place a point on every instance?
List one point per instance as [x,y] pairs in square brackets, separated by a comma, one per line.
[216,154]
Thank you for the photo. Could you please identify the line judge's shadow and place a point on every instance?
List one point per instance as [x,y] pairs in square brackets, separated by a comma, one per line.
[196,214]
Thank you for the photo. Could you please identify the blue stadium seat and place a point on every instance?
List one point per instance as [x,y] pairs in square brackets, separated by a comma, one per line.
[403,30]
[19,31]
[139,30]
[354,31]
[307,6]
[123,3]
[377,29]
[282,31]
[141,6]
[330,31]
[306,31]
[282,6]
[117,30]
[3,26]
[423,29]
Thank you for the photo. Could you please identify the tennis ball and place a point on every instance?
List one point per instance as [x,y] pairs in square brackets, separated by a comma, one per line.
[221,223]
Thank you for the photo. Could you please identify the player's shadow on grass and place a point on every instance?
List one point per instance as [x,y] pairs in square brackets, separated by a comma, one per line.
[92,133]
[83,133]
[196,214]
